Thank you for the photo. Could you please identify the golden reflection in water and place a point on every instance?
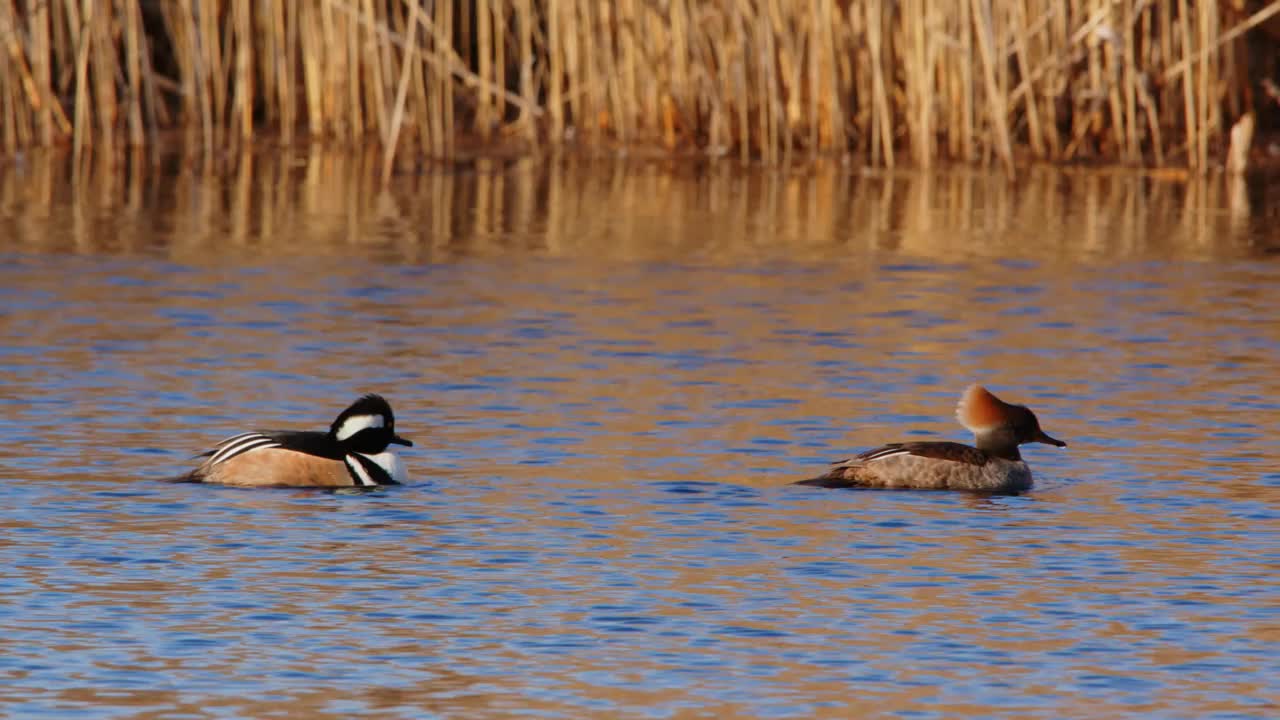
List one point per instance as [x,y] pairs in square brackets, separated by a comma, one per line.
[445,694]
[332,201]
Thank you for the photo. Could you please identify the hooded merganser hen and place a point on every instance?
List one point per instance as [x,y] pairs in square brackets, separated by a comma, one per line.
[993,466]
[357,451]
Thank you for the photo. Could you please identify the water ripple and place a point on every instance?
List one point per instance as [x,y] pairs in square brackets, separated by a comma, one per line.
[600,520]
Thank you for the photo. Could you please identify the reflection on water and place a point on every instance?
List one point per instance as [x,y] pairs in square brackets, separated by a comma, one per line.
[317,201]
[612,371]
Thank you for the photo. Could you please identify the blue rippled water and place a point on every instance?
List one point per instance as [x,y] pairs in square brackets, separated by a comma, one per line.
[600,521]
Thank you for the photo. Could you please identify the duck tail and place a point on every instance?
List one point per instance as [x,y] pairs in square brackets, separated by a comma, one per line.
[836,478]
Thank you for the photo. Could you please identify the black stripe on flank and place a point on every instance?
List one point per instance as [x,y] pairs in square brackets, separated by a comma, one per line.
[239,445]
[317,444]
[376,472]
[351,462]
[308,443]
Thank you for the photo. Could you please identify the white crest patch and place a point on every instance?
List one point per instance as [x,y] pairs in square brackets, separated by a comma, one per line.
[356,423]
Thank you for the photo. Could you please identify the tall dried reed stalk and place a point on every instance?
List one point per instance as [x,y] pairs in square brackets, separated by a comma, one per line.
[1155,81]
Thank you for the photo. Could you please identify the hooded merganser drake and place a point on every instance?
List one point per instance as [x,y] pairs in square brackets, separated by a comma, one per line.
[993,466]
[357,451]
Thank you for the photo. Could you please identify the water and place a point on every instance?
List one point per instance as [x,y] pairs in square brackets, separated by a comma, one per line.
[612,371]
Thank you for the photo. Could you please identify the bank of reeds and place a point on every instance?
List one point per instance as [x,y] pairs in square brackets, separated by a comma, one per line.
[1155,81]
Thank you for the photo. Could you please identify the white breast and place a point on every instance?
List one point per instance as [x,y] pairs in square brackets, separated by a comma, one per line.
[390,461]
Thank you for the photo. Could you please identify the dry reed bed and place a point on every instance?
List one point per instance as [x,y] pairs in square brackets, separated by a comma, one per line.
[1134,81]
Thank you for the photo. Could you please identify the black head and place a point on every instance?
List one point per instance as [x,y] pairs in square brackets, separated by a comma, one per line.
[368,426]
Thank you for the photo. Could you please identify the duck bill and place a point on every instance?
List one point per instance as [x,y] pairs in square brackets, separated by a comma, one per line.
[1043,438]
[401,441]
